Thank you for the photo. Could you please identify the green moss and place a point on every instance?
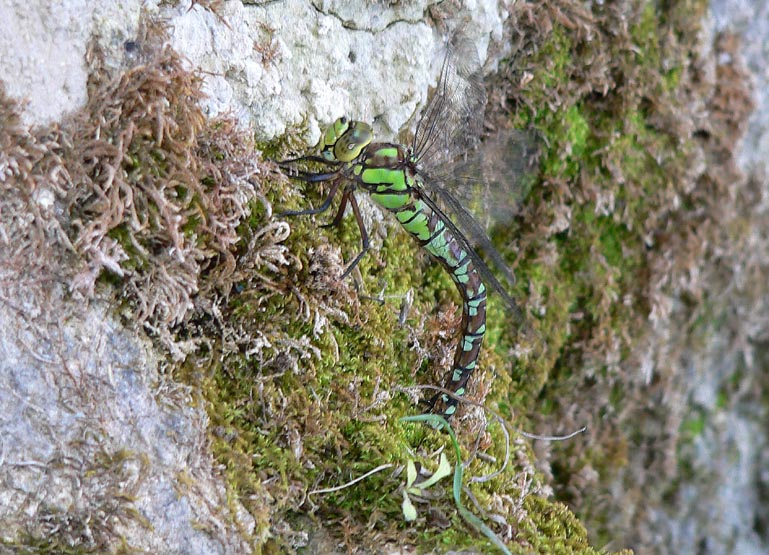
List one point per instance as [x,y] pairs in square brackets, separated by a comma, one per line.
[136,259]
[310,427]
[645,35]
[611,166]
[301,375]
[693,426]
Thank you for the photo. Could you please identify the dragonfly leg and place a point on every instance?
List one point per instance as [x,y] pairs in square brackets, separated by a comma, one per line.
[288,168]
[350,197]
[309,177]
[317,159]
[322,208]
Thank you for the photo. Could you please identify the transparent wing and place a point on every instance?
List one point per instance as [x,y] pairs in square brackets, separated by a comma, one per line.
[479,263]
[460,175]
[486,188]
[493,180]
[453,118]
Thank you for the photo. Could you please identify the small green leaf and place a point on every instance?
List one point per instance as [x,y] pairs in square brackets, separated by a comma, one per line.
[439,422]
[444,469]
[409,511]
[411,474]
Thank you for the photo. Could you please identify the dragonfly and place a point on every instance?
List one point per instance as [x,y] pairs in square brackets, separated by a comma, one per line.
[427,186]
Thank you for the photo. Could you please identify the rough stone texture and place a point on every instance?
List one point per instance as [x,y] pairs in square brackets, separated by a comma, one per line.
[299,63]
[750,21]
[43,48]
[713,493]
[84,438]
[281,64]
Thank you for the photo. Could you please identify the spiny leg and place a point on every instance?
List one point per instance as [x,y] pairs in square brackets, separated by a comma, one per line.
[349,197]
[309,177]
[322,208]
[363,236]
[309,158]
[287,166]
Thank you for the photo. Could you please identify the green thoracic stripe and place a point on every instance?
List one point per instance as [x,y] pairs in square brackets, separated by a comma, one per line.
[387,152]
[385,176]
[390,200]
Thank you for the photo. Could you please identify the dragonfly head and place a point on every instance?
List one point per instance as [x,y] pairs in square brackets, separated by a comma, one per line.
[344,140]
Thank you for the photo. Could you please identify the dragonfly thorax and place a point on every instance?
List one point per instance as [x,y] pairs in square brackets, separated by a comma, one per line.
[344,140]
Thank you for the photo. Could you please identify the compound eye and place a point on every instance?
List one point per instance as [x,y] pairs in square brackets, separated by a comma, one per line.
[340,127]
[352,142]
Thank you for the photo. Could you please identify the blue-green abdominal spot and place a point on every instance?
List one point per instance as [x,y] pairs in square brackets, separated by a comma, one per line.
[439,246]
[461,278]
[418,228]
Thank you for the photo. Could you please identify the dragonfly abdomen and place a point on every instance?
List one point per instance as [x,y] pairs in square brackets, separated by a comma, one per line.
[443,245]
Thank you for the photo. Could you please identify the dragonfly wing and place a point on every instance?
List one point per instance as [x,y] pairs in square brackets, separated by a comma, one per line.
[493,181]
[453,118]
[458,176]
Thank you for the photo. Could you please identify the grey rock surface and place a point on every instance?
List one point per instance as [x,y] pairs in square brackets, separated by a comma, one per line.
[43,47]
[96,443]
[304,64]
[274,65]
[750,21]
[93,433]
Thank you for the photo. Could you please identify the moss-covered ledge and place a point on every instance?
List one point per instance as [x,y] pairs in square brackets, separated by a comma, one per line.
[305,378]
